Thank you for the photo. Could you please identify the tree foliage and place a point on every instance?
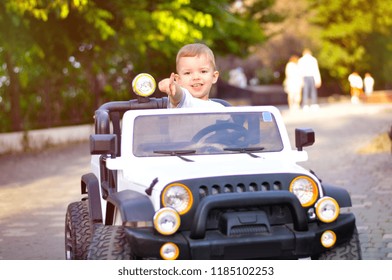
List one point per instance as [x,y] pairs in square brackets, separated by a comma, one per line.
[355,35]
[62,58]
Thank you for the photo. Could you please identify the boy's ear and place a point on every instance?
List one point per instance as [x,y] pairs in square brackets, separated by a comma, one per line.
[176,78]
[215,77]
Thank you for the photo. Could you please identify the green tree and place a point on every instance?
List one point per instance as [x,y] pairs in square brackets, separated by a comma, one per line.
[29,64]
[355,35]
[62,58]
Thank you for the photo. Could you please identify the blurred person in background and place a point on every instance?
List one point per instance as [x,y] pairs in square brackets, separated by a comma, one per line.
[238,78]
[310,71]
[368,82]
[356,86]
[293,83]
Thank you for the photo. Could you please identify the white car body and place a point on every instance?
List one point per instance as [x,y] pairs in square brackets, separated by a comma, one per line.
[203,183]
[137,173]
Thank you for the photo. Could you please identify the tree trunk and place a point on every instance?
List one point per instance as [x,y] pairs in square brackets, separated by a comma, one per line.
[14,94]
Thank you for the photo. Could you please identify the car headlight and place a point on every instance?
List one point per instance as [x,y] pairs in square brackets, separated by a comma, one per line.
[166,221]
[327,209]
[305,189]
[144,85]
[328,239]
[169,251]
[177,196]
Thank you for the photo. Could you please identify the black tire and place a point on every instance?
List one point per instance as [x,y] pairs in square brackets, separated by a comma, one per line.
[77,231]
[109,243]
[350,250]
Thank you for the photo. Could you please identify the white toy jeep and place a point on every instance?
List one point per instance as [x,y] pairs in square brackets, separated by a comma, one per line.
[203,184]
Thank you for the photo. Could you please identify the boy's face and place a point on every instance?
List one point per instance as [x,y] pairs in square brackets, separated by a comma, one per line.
[197,75]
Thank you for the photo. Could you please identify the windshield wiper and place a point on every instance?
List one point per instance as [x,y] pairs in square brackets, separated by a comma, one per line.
[246,150]
[178,153]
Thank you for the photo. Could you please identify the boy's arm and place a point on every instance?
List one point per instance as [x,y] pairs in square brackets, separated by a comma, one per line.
[172,89]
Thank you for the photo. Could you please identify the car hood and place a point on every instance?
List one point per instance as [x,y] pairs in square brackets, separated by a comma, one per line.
[169,169]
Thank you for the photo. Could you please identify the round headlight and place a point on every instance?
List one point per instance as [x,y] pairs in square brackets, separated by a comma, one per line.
[328,238]
[143,85]
[166,221]
[169,251]
[305,189]
[179,197]
[327,209]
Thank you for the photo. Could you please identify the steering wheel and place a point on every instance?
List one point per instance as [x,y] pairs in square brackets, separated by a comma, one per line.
[238,131]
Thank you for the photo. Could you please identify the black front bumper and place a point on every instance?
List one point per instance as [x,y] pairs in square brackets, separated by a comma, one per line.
[297,239]
[281,242]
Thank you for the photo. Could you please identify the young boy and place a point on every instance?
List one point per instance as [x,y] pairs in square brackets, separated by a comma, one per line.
[196,73]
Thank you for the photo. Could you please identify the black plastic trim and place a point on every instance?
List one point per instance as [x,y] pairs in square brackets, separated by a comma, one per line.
[232,200]
[90,186]
[339,194]
[283,242]
[133,206]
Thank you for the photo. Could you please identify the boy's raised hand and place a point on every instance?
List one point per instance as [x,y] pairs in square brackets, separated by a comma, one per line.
[168,86]
[172,89]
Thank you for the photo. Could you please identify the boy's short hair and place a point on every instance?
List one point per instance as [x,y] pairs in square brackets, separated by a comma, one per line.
[196,49]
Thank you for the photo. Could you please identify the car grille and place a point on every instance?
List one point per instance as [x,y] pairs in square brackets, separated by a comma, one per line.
[249,229]
[203,187]
[239,188]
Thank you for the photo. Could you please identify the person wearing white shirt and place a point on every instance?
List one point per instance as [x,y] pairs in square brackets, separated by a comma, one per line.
[196,73]
[368,82]
[356,86]
[310,71]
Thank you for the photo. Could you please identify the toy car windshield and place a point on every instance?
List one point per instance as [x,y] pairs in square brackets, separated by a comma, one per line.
[205,133]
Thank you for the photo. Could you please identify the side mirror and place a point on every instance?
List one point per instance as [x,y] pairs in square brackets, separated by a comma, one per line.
[303,137]
[103,144]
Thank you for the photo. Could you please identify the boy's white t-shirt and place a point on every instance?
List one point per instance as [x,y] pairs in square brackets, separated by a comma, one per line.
[188,101]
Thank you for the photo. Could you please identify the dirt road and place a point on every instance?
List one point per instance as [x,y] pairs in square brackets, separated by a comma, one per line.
[351,150]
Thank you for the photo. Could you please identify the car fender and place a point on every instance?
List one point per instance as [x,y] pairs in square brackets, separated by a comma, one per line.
[90,186]
[339,194]
[132,206]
